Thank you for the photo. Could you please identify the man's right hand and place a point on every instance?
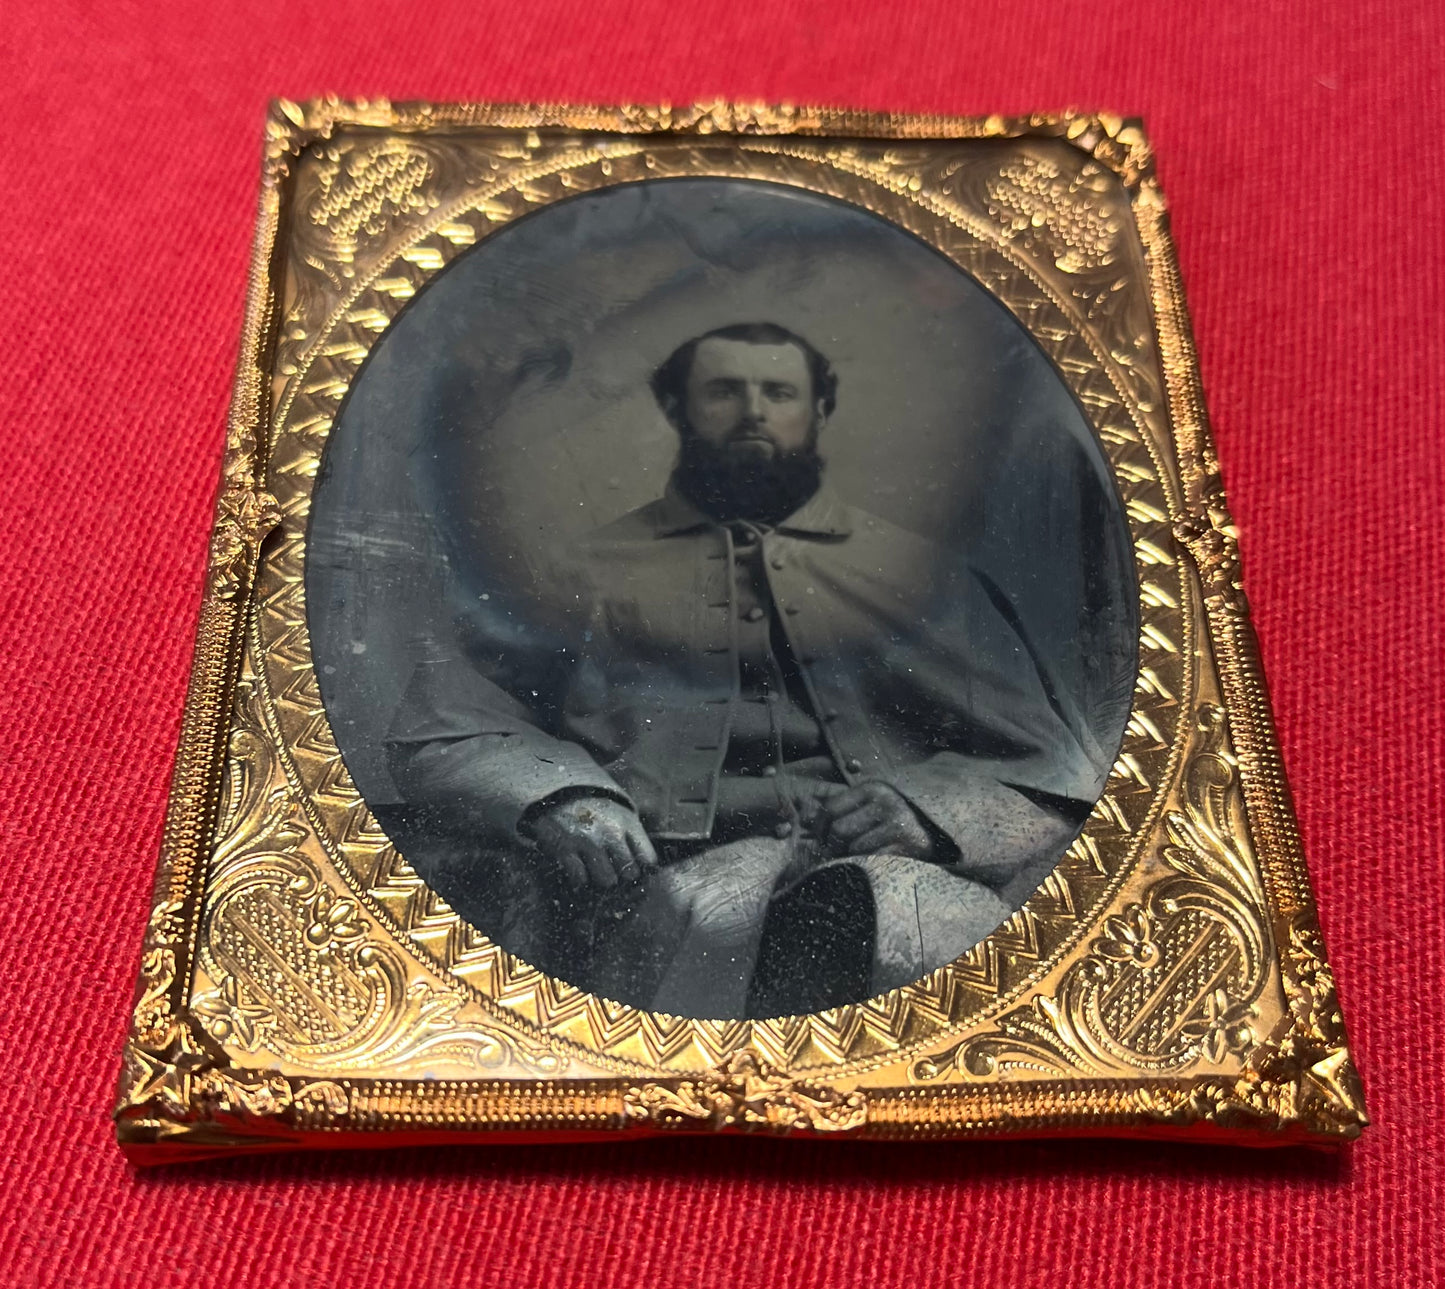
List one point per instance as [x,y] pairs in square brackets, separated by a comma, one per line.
[598,841]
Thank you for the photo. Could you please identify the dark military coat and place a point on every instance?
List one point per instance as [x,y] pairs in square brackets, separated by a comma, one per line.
[618,671]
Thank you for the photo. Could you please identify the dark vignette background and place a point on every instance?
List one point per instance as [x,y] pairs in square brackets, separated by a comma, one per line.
[1299,146]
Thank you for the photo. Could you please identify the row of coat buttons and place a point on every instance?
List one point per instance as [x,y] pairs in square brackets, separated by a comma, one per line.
[773,696]
[744,550]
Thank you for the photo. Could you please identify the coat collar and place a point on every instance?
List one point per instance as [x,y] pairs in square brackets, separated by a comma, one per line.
[822,515]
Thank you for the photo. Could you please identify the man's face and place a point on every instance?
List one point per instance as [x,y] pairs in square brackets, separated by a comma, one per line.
[753,402]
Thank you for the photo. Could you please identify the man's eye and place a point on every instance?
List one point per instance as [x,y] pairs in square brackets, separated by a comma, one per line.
[720,392]
[780,393]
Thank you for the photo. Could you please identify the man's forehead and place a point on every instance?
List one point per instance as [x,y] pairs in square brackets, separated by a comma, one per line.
[717,356]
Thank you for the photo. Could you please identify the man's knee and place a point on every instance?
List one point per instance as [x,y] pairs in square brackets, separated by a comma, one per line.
[721,906]
[723,892]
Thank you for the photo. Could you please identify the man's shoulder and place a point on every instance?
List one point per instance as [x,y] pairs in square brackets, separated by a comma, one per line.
[870,527]
[894,568]
[621,552]
[883,547]
[642,524]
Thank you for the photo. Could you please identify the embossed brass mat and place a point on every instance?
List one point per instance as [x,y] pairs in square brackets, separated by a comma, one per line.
[301,986]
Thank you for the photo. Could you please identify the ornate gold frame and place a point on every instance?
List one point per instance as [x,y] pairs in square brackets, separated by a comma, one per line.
[300,986]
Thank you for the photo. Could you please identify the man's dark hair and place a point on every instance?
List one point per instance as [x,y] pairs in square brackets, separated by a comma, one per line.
[669,381]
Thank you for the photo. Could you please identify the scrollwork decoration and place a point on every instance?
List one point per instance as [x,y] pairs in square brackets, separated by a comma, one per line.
[1211,536]
[747,1093]
[298,972]
[1173,977]
[244,516]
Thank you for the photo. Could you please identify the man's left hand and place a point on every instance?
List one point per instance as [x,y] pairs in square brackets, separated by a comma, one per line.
[868,819]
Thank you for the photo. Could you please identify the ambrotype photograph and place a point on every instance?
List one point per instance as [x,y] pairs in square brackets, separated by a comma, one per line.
[720,599]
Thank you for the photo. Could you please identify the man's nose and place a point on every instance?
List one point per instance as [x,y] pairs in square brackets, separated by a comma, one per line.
[753,407]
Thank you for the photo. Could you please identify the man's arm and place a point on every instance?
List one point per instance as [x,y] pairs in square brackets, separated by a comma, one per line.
[1006,833]
[997,832]
[1017,768]
[463,746]
[471,753]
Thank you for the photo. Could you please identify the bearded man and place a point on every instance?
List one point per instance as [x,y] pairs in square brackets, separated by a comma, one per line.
[767,752]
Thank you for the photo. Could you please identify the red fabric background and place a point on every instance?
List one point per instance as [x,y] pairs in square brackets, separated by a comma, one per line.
[1300,148]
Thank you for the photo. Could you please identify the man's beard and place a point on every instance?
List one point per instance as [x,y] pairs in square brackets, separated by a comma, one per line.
[728,486]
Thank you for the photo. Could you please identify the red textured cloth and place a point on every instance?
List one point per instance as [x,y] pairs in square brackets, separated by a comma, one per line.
[1300,148]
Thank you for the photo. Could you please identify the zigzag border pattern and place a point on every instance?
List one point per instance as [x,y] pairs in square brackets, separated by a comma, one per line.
[862,1032]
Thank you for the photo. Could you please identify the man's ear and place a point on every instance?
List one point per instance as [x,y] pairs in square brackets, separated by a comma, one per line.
[820,412]
[672,409]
